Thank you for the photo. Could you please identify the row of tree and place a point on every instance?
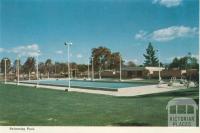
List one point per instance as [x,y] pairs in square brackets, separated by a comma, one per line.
[47,67]
[186,62]
[102,58]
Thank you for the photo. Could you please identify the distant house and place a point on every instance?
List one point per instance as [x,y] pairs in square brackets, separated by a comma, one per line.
[193,74]
[140,72]
[168,73]
[110,74]
[148,72]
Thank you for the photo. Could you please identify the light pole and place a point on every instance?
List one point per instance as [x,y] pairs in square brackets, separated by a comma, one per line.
[37,71]
[189,61]
[159,66]
[100,68]
[17,70]
[68,45]
[5,70]
[120,68]
[92,59]
[88,69]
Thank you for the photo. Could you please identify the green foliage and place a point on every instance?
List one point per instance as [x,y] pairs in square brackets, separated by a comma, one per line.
[131,64]
[150,58]
[15,64]
[29,65]
[103,58]
[82,67]
[48,66]
[41,67]
[185,62]
[8,65]
[115,61]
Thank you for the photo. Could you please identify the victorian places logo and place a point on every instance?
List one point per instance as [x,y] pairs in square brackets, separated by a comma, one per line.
[182,112]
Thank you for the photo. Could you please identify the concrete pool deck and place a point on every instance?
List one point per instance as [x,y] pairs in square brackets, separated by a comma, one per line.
[129,91]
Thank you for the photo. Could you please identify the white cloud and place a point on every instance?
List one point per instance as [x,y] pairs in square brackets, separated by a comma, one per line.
[135,61]
[141,35]
[28,50]
[79,55]
[59,52]
[167,34]
[2,50]
[168,3]
[173,32]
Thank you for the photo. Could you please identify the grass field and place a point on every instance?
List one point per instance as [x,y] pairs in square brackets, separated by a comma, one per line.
[35,106]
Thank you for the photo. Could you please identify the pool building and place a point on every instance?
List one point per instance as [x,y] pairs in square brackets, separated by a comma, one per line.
[150,72]
[134,72]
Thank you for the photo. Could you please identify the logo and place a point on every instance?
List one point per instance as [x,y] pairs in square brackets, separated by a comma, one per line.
[182,112]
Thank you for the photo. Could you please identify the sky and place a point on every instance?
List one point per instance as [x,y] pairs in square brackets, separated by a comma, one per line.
[125,26]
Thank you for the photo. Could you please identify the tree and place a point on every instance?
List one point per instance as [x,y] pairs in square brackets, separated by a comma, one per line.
[41,67]
[29,65]
[184,63]
[175,63]
[82,67]
[150,58]
[131,64]
[101,57]
[63,67]
[60,67]
[8,65]
[194,63]
[16,64]
[48,66]
[115,61]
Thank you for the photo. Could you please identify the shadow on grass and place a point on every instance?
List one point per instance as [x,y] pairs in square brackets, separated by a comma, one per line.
[131,124]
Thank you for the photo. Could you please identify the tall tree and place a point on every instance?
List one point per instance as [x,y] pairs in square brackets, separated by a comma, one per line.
[150,58]
[41,67]
[82,67]
[101,57]
[175,63]
[131,64]
[115,61]
[16,64]
[194,63]
[8,65]
[48,66]
[29,65]
[60,67]
[184,63]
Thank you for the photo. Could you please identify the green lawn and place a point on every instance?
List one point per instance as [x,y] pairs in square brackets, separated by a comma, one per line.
[32,106]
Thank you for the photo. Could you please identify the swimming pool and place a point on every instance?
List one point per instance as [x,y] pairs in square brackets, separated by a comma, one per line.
[88,84]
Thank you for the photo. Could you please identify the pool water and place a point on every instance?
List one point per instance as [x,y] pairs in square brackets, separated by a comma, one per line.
[88,84]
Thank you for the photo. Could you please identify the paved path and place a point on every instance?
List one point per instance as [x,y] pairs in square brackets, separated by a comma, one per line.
[130,91]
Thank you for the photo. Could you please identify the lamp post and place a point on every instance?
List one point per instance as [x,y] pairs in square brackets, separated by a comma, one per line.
[5,71]
[92,59]
[68,50]
[189,61]
[17,70]
[88,69]
[37,72]
[159,66]
[100,68]
[120,68]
